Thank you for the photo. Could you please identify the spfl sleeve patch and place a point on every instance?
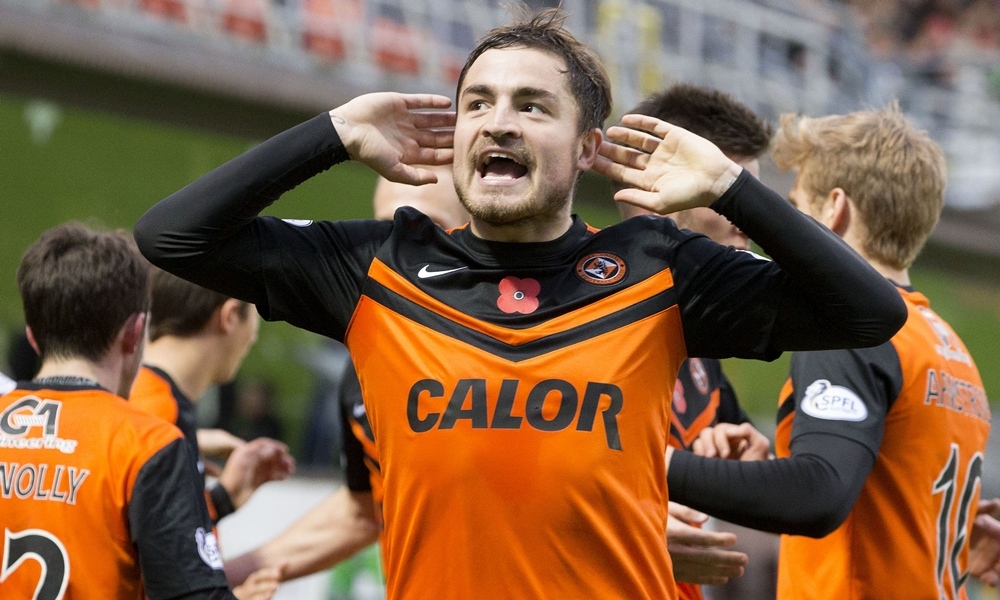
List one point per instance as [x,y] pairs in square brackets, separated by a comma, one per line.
[824,400]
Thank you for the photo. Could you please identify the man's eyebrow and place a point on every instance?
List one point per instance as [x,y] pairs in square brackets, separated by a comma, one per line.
[521,93]
[530,92]
[479,89]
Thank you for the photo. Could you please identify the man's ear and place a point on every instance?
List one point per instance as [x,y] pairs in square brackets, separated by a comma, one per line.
[840,211]
[229,315]
[590,143]
[31,340]
[134,333]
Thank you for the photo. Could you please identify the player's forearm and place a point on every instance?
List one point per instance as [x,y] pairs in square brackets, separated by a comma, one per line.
[810,493]
[852,303]
[333,531]
[208,222]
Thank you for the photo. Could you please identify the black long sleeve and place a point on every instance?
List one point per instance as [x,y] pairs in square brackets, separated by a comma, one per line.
[203,232]
[832,298]
[809,493]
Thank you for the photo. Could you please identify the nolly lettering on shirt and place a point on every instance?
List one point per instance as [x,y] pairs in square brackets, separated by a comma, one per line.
[28,481]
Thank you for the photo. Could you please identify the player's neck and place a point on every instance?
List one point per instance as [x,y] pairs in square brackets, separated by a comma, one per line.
[105,374]
[542,228]
[855,238]
[188,361]
[897,276]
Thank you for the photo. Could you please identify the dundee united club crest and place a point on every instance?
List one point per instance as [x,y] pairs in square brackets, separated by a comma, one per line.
[602,268]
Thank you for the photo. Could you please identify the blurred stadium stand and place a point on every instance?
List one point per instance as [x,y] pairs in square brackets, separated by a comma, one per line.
[807,56]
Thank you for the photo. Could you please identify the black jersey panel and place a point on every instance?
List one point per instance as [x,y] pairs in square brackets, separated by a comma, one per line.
[786,409]
[178,553]
[354,454]
[187,414]
[313,270]
[846,393]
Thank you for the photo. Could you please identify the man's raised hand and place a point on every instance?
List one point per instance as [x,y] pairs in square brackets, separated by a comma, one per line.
[666,167]
[390,132]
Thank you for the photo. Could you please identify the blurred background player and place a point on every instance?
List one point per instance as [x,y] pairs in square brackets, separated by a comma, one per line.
[349,520]
[199,338]
[99,500]
[879,447]
[703,396]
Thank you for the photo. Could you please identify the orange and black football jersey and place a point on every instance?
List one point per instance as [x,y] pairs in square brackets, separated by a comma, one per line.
[918,403]
[156,393]
[702,398]
[98,500]
[489,377]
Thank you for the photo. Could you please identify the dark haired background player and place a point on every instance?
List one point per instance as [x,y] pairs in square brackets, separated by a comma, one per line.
[98,499]
[703,396]
[519,394]
[199,338]
[880,449]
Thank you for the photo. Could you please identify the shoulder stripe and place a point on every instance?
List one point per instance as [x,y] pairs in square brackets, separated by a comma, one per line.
[384,277]
[528,347]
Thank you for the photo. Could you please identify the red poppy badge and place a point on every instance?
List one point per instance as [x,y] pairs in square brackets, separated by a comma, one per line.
[518,295]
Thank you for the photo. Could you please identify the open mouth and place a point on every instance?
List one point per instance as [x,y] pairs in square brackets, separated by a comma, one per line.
[501,166]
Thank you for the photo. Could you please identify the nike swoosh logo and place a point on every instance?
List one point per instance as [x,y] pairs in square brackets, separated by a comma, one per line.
[426,273]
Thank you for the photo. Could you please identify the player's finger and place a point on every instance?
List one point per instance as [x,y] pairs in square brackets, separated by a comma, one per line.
[638,197]
[707,443]
[610,169]
[403,173]
[430,157]
[639,140]
[623,155]
[427,138]
[212,469]
[712,539]
[434,120]
[741,447]
[419,101]
[720,437]
[685,513]
[658,128]
[722,562]
[989,507]
[702,562]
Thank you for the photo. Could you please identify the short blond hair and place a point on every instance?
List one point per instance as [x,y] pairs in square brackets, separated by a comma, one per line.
[893,172]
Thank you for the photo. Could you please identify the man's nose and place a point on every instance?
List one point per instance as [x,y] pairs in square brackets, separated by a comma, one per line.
[503,122]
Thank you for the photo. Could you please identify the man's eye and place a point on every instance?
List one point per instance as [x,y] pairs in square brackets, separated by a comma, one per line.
[477,105]
[533,108]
